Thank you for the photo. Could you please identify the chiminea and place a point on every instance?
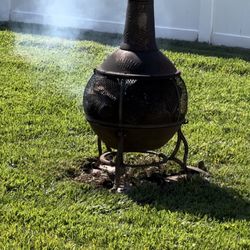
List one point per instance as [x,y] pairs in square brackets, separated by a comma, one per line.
[136,100]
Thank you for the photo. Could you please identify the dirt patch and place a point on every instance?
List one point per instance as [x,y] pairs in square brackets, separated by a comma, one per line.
[103,176]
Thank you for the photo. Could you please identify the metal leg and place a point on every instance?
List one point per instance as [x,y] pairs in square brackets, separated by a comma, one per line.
[99,143]
[185,157]
[177,147]
[182,163]
[119,166]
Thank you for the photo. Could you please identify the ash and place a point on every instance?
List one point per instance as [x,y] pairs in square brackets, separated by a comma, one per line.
[103,176]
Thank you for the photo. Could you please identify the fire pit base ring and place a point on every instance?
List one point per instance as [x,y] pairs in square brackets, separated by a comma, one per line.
[107,159]
[115,159]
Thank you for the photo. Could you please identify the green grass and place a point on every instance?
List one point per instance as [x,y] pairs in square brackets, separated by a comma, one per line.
[44,137]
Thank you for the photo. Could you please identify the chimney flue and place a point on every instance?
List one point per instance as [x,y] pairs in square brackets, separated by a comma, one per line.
[139,32]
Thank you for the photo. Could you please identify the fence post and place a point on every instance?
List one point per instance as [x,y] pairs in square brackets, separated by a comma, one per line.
[5,6]
[206,20]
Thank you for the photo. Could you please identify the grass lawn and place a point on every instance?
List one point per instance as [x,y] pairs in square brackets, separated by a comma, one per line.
[44,137]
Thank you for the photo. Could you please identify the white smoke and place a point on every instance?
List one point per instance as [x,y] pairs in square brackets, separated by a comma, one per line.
[99,15]
[66,19]
[59,13]
[82,14]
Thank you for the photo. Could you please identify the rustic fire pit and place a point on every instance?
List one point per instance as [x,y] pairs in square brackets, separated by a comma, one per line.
[136,100]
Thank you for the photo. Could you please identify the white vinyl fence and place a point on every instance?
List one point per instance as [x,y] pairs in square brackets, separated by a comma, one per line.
[219,22]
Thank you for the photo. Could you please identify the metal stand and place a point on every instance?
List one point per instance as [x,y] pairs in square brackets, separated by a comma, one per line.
[120,168]
[115,159]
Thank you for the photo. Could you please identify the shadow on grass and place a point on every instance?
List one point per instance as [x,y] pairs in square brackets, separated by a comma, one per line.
[197,197]
[115,39]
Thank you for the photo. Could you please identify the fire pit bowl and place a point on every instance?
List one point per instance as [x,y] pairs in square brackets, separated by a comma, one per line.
[147,110]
